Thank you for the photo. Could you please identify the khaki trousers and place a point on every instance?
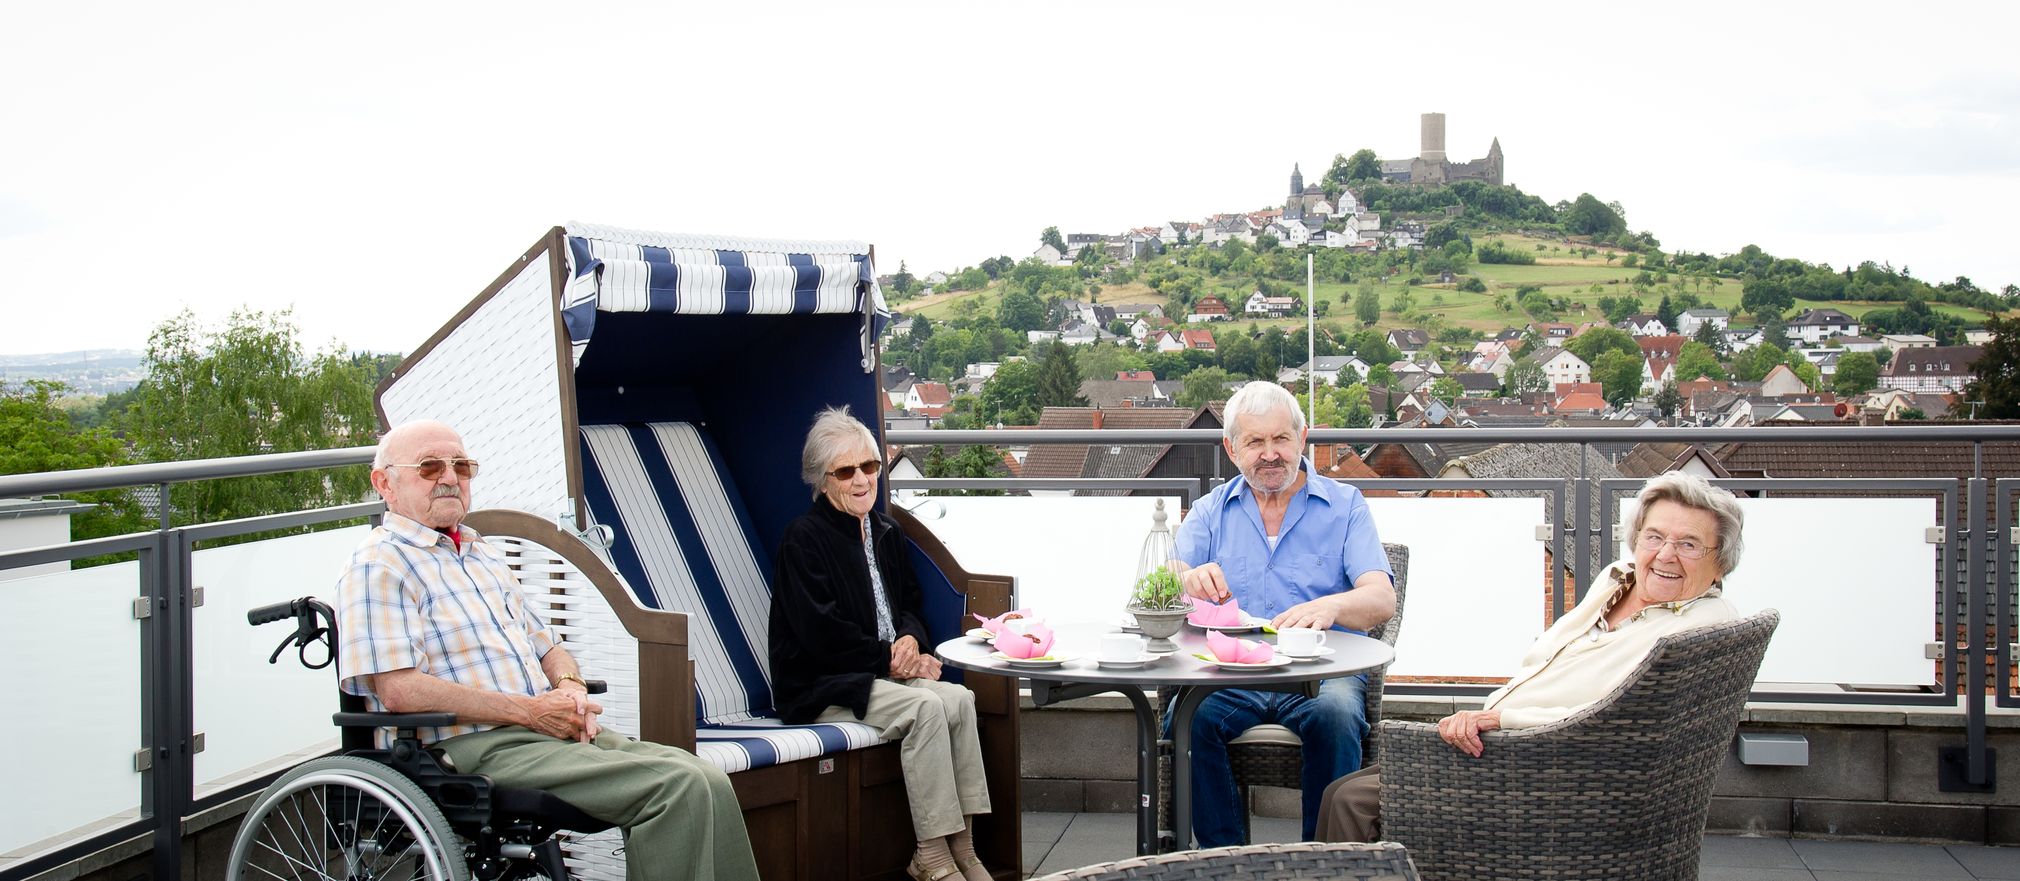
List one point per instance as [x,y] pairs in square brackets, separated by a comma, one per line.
[939,749]
[679,815]
[1352,807]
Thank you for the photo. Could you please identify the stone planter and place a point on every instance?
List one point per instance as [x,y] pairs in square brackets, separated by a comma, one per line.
[1159,626]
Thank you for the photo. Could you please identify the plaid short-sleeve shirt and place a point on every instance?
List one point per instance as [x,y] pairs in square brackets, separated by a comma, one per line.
[411,598]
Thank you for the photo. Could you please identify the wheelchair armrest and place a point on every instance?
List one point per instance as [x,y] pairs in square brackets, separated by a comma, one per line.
[393,720]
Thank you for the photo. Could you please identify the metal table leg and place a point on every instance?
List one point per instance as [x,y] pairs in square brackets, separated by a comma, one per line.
[1044,693]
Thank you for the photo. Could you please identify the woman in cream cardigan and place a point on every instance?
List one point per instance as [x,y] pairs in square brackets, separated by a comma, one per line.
[1686,540]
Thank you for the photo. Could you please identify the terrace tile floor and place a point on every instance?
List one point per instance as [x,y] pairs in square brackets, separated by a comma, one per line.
[1055,842]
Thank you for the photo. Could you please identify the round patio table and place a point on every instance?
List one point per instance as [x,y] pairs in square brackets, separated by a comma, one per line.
[1195,679]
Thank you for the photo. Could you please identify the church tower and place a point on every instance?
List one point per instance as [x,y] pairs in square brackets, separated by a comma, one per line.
[1494,175]
[1297,180]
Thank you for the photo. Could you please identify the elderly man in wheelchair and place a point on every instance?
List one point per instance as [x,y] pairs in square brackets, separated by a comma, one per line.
[497,739]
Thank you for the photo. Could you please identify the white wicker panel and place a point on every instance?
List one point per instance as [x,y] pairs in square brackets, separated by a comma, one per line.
[589,629]
[494,379]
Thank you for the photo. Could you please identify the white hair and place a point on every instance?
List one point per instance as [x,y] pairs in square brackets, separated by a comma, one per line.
[835,432]
[1692,491]
[1259,399]
[382,456]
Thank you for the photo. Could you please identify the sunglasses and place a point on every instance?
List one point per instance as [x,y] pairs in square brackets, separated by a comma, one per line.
[432,468]
[849,471]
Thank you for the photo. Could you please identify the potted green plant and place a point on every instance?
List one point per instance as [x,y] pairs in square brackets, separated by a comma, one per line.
[1158,604]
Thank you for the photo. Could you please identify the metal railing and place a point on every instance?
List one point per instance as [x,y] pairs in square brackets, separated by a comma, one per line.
[167,596]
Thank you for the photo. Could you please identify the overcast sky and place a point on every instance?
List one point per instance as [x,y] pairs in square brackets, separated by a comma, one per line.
[374,165]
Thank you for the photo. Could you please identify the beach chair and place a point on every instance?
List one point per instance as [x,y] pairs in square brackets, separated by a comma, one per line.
[639,401]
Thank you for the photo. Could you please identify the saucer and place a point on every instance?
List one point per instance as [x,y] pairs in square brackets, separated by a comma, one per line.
[1132,664]
[1248,623]
[1127,623]
[1051,660]
[1276,661]
[980,635]
[1323,653]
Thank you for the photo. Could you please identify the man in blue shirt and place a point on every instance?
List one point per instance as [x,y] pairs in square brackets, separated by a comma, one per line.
[1300,549]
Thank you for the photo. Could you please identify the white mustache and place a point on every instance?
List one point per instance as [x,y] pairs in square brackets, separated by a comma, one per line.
[447,492]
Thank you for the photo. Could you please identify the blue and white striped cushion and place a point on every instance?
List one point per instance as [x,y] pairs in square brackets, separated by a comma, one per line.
[684,543]
[765,742]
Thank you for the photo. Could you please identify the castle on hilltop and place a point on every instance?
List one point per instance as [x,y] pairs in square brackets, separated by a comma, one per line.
[1308,203]
[1431,167]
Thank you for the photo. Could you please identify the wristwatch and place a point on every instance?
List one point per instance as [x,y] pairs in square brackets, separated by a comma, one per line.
[570,676]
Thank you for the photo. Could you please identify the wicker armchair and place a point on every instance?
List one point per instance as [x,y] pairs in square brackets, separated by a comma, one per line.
[1384,861]
[1272,755]
[1618,791]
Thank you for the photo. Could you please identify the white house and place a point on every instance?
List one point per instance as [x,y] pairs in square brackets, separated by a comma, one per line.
[1050,256]
[1326,368]
[1690,320]
[1560,366]
[1814,325]
[1270,307]
[1943,368]
[1289,234]
[1643,325]
[1899,341]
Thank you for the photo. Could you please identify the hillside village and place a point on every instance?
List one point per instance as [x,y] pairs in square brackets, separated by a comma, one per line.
[1446,299]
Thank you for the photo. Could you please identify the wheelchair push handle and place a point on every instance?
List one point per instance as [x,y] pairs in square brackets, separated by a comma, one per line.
[314,623]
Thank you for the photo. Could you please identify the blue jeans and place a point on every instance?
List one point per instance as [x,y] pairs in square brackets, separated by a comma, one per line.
[1331,726]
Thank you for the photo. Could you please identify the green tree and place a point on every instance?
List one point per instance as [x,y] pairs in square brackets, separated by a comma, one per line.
[1058,378]
[1665,312]
[1762,296]
[1020,311]
[246,388]
[1697,360]
[1105,360]
[1707,334]
[1524,376]
[1618,375]
[1996,373]
[1755,363]
[1446,389]
[904,282]
[1589,345]
[1367,305]
[1052,237]
[1858,373]
[1010,396]
[1590,217]
[974,460]
[1202,386]
[36,436]
[1236,353]
[1668,399]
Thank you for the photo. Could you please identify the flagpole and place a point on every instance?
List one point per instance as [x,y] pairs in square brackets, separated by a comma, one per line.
[1311,359]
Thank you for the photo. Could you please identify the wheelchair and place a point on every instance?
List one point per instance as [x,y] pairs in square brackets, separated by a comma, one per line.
[395,814]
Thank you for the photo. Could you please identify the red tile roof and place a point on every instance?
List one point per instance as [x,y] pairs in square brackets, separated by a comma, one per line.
[934,394]
[1199,339]
[1135,376]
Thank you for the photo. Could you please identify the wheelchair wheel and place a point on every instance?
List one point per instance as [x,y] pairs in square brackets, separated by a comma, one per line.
[341,818]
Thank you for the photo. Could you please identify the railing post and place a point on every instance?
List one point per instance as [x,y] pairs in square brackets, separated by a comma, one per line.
[164,695]
[1971,767]
[1581,504]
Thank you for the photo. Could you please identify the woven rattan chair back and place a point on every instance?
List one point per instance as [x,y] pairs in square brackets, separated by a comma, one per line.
[1618,791]
[1383,861]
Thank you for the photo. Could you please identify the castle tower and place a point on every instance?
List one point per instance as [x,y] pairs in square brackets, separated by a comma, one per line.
[1433,137]
[1297,180]
[1494,172]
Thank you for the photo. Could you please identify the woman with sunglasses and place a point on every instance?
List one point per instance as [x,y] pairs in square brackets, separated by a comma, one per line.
[848,644]
[1686,540]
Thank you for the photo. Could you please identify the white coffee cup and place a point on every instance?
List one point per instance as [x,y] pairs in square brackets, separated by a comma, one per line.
[1300,641]
[1121,647]
[1018,625]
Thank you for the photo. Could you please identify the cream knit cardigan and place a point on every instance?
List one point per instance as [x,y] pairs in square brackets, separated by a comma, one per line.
[1567,669]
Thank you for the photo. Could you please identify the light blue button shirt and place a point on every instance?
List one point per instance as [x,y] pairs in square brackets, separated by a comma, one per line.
[1326,542]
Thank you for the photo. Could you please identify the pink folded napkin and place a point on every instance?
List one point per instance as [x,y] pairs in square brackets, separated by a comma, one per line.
[1033,643]
[1205,614]
[995,625]
[1239,651]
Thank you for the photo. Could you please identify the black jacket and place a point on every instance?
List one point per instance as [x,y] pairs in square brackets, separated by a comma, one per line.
[824,646]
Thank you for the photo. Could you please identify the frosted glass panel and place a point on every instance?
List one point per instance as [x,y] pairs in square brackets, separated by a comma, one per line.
[1855,582]
[73,646]
[256,716]
[1477,591]
[1074,558]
